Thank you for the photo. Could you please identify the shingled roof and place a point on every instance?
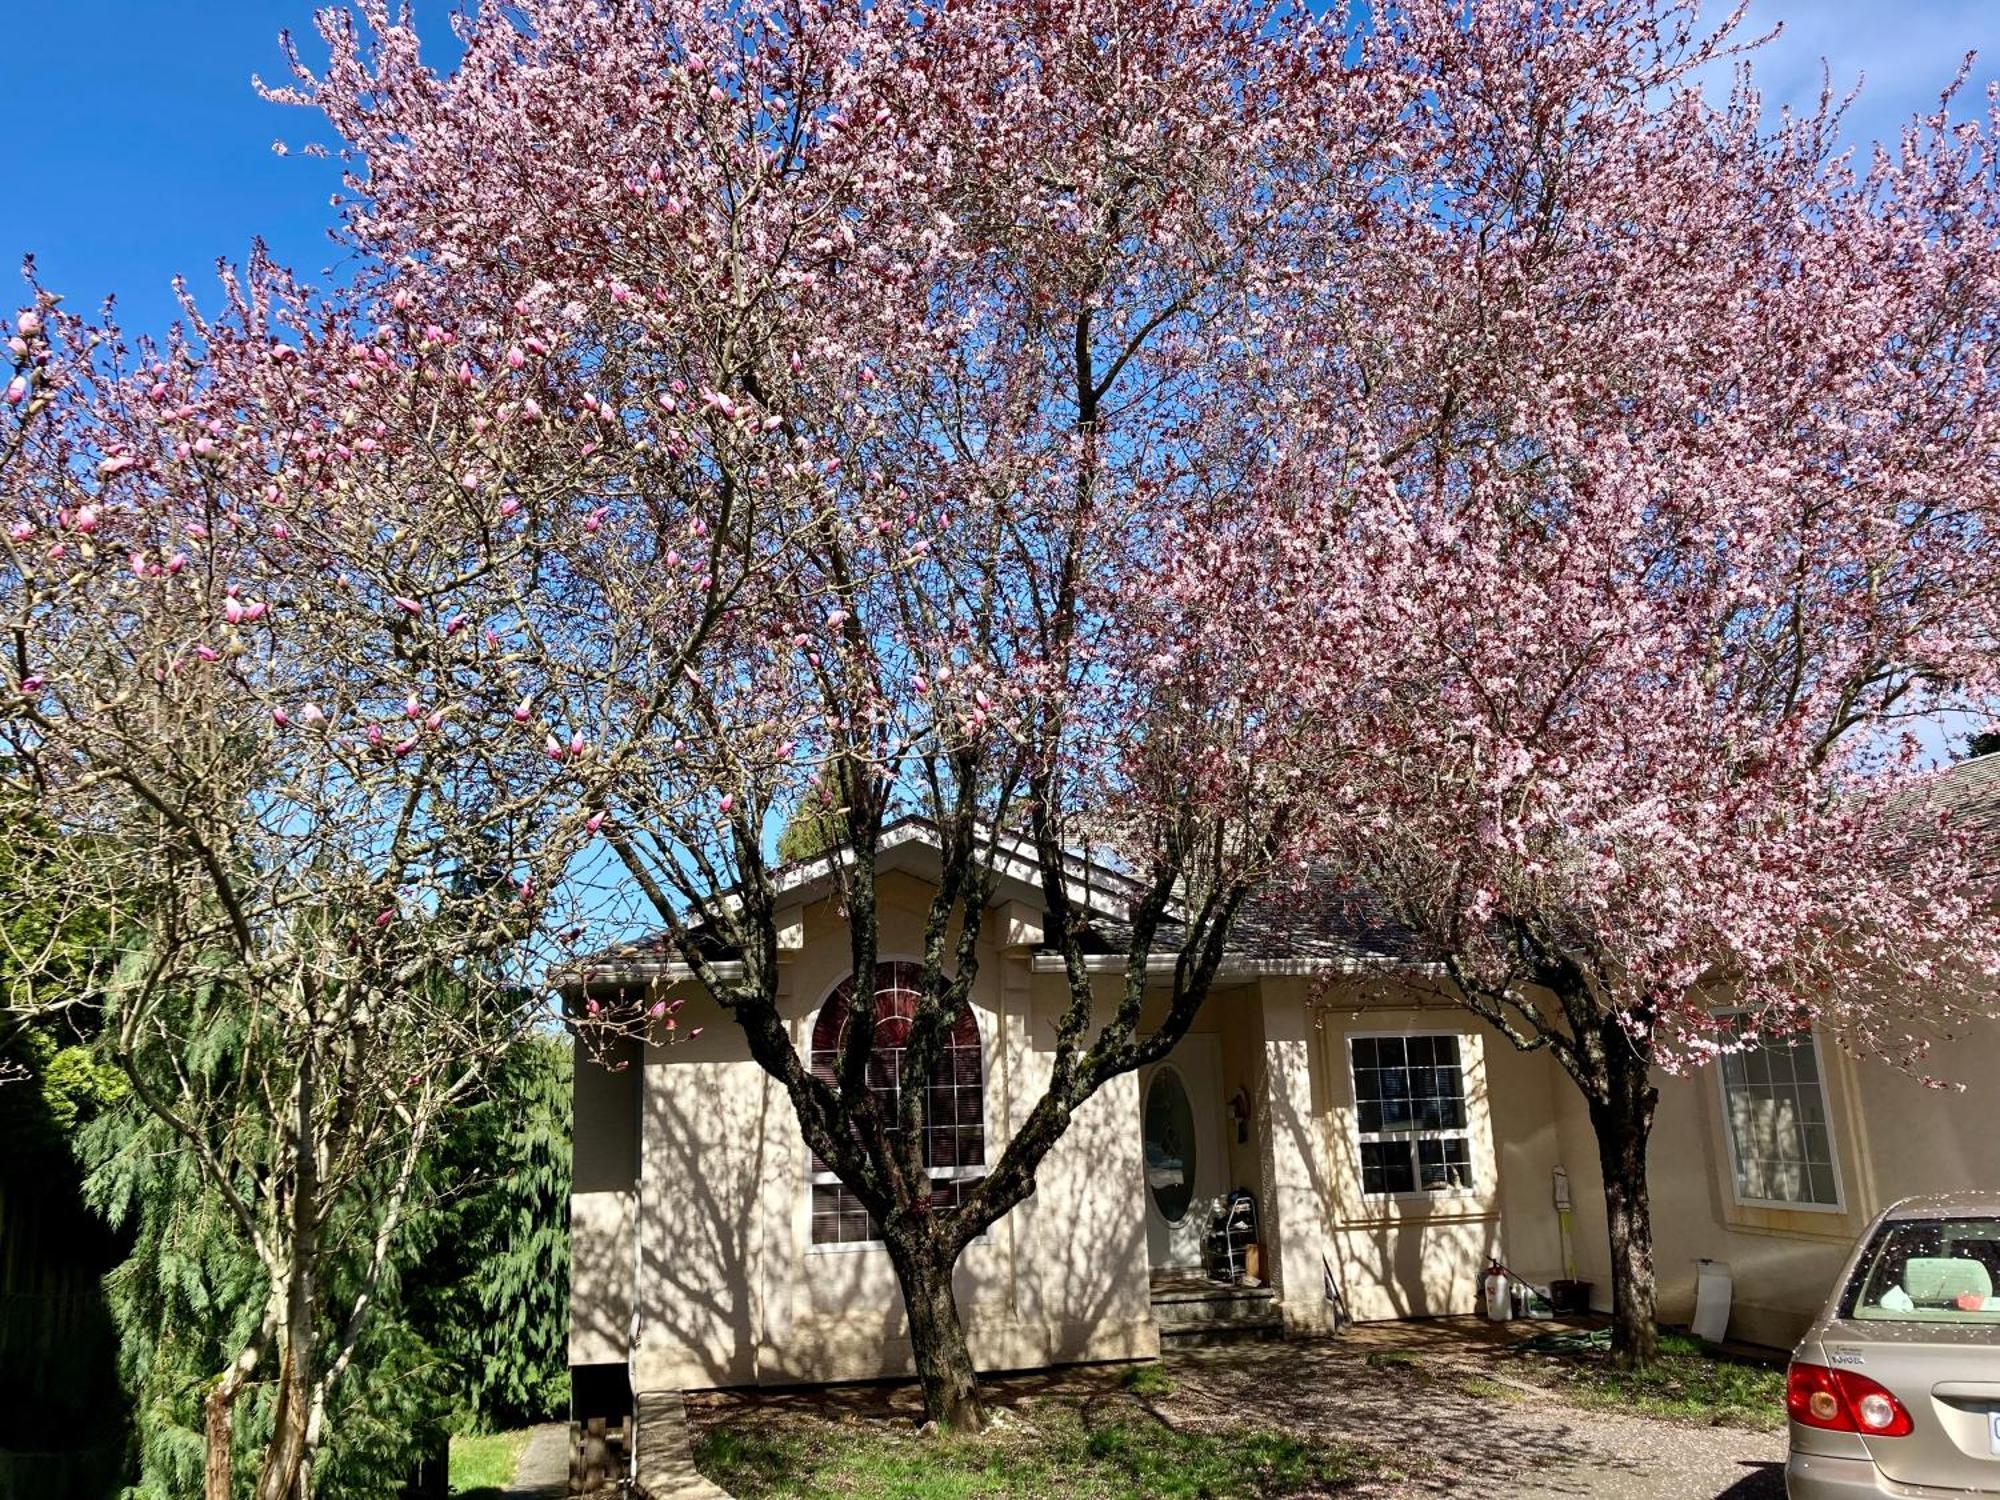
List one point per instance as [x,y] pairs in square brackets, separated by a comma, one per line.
[1311,920]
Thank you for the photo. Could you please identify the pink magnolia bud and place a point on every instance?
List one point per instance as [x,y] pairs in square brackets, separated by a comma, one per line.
[727,804]
[657,1009]
[454,625]
[385,916]
[253,610]
[20,531]
[28,324]
[516,357]
[835,619]
[208,653]
[312,716]
[17,390]
[177,562]
[411,707]
[577,744]
[408,606]
[118,463]
[554,748]
[523,709]
[375,734]
[232,611]
[33,684]
[280,717]
[403,747]
[509,506]
[85,520]
[594,822]
[531,409]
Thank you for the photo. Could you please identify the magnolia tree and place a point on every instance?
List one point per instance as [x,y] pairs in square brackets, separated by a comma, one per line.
[935,319]
[1658,507]
[272,712]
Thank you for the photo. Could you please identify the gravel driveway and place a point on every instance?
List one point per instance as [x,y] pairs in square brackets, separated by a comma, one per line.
[1510,1441]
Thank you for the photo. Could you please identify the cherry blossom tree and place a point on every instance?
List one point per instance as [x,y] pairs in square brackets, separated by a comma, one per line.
[271,713]
[938,317]
[1658,515]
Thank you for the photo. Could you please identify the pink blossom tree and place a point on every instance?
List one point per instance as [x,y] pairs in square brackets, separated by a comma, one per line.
[271,710]
[1657,514]
[938,317]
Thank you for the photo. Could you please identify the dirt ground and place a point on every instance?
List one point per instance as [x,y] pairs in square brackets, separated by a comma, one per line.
[1434,1400]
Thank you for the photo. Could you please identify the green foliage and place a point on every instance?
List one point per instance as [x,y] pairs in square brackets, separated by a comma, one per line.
[493,1292]
[1087,1450]
[1689,1382]
[470,1324]
[1148,1382]
[816,825]
[483,1464]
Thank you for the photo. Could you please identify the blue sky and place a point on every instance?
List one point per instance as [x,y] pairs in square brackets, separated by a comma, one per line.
[137,147]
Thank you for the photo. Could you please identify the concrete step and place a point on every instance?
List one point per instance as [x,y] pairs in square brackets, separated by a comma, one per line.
[1197,1335]
[1234,1305]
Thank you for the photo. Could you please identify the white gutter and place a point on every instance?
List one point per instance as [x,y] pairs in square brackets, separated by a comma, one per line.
[1164,965]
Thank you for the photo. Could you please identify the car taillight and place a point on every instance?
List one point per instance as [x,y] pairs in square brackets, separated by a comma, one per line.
[1842,1401]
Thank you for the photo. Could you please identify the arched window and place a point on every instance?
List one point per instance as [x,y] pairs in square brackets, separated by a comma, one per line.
[954,1113]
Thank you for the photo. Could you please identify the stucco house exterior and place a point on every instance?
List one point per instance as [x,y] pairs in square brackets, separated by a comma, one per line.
[1393,1145]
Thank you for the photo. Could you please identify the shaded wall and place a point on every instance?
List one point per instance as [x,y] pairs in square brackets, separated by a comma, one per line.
[1893,1137]
[732,1290]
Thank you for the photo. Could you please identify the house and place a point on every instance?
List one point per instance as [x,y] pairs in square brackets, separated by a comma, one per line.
[1393,1145]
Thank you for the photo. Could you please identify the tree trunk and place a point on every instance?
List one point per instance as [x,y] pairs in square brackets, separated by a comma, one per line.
[284,1460]
[937,1339]
[1623,1121]
[218,1424]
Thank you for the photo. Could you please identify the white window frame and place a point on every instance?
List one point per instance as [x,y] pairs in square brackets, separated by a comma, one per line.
[1419,1194]
[937,1174]
[1839,1204]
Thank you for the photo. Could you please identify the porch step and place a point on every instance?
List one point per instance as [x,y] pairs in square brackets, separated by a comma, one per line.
[1198,1335]
[1192,1310]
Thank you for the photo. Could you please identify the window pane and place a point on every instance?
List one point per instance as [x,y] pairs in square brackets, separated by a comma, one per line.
[1385,1167]
[1446,1163]
[1775,1112]
[838,1217]
[953,1098]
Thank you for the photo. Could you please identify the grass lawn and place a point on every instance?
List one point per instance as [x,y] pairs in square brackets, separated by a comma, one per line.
[1691,1382]
[483,1464]
[1103,1447]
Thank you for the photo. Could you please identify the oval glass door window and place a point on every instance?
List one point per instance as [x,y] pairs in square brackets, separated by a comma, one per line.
[1169,1141]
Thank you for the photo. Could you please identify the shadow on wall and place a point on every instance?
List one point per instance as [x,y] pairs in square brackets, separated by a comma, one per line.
[730,1291]
[703,1162]
[1079,1244]
[1415,1258]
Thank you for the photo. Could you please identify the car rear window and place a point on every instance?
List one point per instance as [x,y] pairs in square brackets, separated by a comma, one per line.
[1929,1271]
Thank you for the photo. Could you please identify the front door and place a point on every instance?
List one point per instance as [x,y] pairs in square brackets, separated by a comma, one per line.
[1187,1164]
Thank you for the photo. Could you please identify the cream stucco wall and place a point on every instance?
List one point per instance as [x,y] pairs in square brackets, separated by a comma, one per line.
[1893,1137]
[732,1291]
[1422,1255]
[691,1229]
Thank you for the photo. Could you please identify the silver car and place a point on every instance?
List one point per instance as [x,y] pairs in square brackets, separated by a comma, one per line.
[1895,1390]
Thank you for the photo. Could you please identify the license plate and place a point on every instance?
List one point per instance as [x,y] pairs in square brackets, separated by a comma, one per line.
[1996,1433]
